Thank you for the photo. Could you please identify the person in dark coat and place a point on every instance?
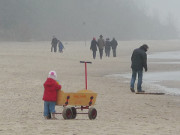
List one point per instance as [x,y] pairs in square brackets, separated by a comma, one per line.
[94,47]
[114,44]
[138,62]
[54,44]
[107,47]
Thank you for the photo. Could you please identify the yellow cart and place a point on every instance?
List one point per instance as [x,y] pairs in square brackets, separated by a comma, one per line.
[82,99]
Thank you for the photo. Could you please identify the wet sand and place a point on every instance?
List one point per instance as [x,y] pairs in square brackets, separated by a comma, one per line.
[25,66]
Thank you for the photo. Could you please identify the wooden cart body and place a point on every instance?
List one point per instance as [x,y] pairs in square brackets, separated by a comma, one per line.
[80,98]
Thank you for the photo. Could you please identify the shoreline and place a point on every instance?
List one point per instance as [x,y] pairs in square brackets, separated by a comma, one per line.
[158,84]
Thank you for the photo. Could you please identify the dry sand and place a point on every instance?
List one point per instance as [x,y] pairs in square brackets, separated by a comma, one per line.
[25,66]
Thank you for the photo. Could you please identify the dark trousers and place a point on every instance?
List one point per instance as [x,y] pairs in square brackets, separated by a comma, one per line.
[108,52]
[94,54]
[54,47]
[114,52]
[101,53]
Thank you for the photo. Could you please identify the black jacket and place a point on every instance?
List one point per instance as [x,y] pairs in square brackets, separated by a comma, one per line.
[93,45]
[54,41]
[114,44]
[107,45]
[139,59]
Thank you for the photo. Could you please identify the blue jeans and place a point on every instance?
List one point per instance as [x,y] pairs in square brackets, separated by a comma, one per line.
[49,107]
[133,79]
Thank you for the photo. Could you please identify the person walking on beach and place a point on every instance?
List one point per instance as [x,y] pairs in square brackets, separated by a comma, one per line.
[50,95]
[101,45]
[107,47]
[54,44]
[114,44]
[94,47]
[138,62]
[61,46]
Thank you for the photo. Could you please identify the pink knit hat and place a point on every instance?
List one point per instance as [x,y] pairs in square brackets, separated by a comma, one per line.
[53,75]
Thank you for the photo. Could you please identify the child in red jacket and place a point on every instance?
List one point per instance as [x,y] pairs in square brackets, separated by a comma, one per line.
[50,94]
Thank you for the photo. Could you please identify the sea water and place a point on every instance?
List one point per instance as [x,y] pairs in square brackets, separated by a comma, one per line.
[153,80]
[165,55]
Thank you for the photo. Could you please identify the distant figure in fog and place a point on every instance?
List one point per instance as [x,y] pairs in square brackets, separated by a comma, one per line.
[94,47]
[101,45]
[107,47]
[54,44]
[114,46]
[61,46]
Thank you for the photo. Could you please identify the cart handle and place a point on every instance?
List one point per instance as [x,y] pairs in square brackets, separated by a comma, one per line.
[85,62]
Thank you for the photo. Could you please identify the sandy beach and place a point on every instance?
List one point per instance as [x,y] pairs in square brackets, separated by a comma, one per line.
[25,66]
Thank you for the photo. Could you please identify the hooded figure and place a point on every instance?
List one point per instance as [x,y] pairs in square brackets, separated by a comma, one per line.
[50,87]
[61,46]
[93,47]
[50,94]
[139,58]
[138,62]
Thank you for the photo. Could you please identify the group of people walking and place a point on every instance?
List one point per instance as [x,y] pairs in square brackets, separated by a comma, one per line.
[54,43]
[138,58]
[101,44]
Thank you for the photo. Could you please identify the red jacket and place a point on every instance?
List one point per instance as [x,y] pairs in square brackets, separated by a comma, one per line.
[50,90]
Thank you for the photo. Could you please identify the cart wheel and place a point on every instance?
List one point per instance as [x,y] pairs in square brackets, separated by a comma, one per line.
[74,112]
[92,113]
[67,113]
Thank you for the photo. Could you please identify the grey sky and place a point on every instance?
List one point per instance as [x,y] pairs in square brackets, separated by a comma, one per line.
[83,19]
[164,8]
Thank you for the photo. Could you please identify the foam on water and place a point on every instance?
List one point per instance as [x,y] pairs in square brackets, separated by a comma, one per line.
[165,62]
[152,81]
[165,55]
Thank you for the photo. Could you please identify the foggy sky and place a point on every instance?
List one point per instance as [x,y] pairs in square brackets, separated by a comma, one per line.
[164,8]
[28,20]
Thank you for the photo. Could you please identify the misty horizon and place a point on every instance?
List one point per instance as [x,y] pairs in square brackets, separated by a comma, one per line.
[24,20]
